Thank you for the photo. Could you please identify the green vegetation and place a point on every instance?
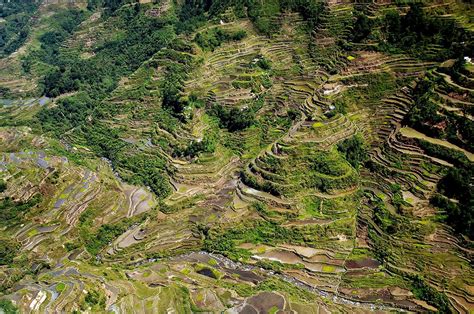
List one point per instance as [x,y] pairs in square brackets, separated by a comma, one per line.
[3,186]
[224,241]
[457,184]
[362,27]
[12,213]
[284,135]
[95,300]
[69,113]
[64,24]
[60,287]
[213,38]
[96,242]
[456,157]
[233,119]
[96,239]
[423,291]
[428,118]
[296,293]
[414,31]
[99,75]
[15,25]
[8,307]
[354,151]
[8,251]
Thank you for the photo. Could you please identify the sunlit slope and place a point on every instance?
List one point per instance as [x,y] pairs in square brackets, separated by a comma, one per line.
[224,164]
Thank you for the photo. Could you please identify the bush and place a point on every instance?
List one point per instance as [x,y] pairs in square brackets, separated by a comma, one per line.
[3,186]
[458,184]
[362,27]
[233,119]
[206,145]
[7,307]
[354,150]
[12,212]
[416,29]
[423,291]
[213,38]
[8,251]
[95,300]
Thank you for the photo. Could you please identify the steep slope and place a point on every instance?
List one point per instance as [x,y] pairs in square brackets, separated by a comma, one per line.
[239,157]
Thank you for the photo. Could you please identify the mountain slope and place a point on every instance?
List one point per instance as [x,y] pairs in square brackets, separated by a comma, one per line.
[238,156]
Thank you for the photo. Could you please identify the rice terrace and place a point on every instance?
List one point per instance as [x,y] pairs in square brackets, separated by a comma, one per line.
[236,156]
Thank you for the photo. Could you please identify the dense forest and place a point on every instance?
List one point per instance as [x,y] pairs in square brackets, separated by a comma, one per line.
[16,23]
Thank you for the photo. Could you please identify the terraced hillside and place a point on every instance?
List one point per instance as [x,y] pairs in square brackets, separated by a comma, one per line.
[237,157]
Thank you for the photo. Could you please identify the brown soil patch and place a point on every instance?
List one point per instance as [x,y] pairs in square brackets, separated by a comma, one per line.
[264,301]
[362,263]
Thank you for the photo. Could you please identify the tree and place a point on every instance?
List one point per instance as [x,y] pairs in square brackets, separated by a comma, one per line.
[362,27]
[354,151]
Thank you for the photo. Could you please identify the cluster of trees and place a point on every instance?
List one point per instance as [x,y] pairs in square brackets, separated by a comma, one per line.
[416,29]
[69,113]
[323,171]
[412,32]
[142,37]
[94,300]
[65,23]
[429,118]
[328,174]
[455,157]
[5,92]
[8,250]
[424,291]
[264,14]
[96,77]
[262,62]
[8,307]
[172,88]
[207,145]
[327,163]
[100,239]
[135,167]
[15,28]
[214,37]
[260,231]
[354,151]
[458,183]
[12,212]
[233,119]
[460,74]
[3,186]
[362,26]
[96,239]
[389,222]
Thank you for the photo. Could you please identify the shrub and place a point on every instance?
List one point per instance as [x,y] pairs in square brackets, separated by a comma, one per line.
[8,251]
[213,38]
[7,307]
[233,119]
[354,150]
